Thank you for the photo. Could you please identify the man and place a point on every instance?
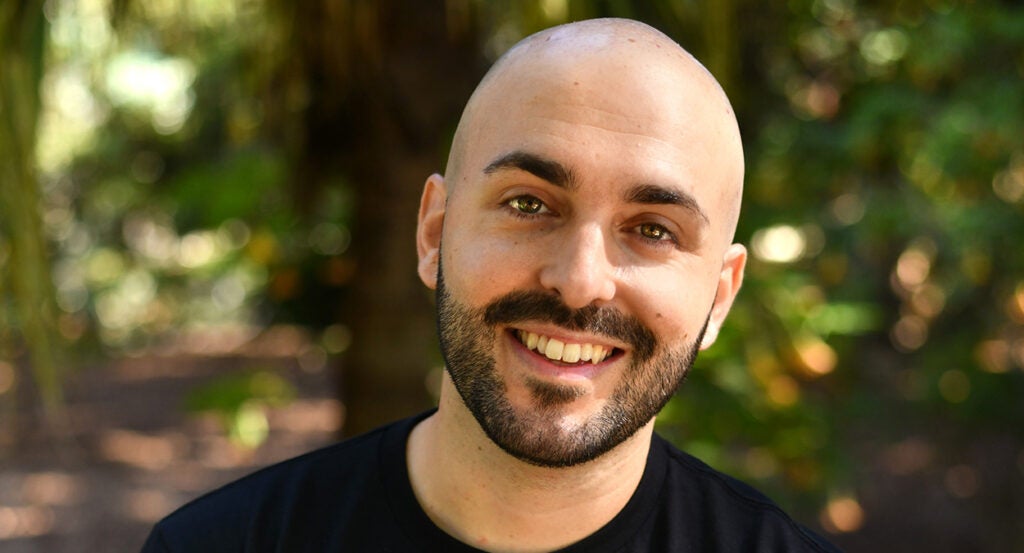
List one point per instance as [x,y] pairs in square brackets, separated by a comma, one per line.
[580,244]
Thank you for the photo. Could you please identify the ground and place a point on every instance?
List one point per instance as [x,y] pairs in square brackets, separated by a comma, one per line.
[134,453]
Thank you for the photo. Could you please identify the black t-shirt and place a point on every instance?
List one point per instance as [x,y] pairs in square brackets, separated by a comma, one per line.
[356,496]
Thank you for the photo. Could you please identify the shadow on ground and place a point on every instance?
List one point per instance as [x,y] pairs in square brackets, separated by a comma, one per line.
[134,454]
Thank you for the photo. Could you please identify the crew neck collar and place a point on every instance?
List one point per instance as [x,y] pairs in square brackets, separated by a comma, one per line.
[420,530]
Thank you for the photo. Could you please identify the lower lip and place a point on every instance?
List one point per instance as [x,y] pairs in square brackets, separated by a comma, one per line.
[541,364]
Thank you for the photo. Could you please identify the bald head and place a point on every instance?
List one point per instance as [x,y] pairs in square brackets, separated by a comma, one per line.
[596,173]
[620,75]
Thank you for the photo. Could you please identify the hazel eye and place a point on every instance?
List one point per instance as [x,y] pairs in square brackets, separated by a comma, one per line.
[654,232]
[527,205]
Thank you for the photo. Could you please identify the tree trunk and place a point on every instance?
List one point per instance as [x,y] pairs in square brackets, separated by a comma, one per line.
[410,106]
[720,37]
[385,83]
[22,38]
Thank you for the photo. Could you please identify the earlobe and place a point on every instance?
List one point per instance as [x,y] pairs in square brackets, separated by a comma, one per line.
[729,281]
[428,228]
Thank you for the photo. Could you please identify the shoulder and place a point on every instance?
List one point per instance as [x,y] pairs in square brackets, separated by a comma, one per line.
[277,500]
[730,513]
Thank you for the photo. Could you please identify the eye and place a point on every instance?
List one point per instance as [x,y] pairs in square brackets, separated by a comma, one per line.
[656,233]
[527,205]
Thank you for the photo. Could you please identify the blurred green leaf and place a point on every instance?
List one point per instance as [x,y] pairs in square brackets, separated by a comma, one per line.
[240,402]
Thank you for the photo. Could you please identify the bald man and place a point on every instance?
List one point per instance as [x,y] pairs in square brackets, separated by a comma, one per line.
[581,247]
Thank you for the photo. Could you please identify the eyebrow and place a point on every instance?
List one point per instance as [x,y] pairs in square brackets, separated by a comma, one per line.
[543,168]
[563,177]
[651,194]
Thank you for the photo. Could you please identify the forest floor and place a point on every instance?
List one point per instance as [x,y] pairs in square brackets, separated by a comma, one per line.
[132,453]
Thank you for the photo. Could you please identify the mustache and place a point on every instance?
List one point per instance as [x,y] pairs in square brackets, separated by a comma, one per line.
[521,306]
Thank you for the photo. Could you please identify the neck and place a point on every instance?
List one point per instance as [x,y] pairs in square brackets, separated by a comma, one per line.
[481,495]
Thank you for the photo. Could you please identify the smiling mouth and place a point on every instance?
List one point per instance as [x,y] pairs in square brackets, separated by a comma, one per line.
[557,350]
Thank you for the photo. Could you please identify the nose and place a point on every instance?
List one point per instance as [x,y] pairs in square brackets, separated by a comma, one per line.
[578,267]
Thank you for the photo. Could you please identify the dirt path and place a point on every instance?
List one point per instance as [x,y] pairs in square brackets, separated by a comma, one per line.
[136,454]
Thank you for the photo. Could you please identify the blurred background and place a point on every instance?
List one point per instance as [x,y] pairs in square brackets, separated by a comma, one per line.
[207,264]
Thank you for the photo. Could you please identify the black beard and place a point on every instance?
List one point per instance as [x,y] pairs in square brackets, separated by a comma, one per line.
[467,344]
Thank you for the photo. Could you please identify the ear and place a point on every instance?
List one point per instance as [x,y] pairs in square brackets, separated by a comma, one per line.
[428,228]
[729,282]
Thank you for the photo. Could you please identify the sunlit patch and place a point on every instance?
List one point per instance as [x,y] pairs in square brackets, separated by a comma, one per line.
[555,10]
[1015,304]
[310,416]
[842,515]
[25,522]
[884,46]
[833,12]
[909,333]
[197,249]
[817,99]
[222,339]
[913,267]
[779,244]
[1008,185]
[51,488]
[848,209]
[126,304]
[147,505]
[104,266]
[279,341]
[907,457]
[69,117]
[821,44]
[139,450]
[217,452]
[993,356]
[928,300]
[160,85]
[818,357]
[151,236]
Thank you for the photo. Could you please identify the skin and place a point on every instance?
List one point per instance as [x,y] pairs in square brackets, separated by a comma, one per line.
[599,162]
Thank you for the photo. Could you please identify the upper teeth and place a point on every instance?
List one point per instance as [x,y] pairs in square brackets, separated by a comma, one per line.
[558,350]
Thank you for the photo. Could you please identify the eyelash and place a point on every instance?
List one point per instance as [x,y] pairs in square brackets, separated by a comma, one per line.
[542,208]
[667,238]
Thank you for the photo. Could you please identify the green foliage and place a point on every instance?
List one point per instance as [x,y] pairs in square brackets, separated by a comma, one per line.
[209,195]
[891,158]
[240,403]
[884,299]
[169,188]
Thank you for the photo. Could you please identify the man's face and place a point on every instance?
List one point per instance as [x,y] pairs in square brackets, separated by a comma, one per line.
[586,251]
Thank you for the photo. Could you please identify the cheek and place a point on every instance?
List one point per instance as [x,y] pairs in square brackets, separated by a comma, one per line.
[674,305]
[480,268]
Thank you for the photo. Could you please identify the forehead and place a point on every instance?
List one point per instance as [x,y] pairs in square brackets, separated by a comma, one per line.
[614,117]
